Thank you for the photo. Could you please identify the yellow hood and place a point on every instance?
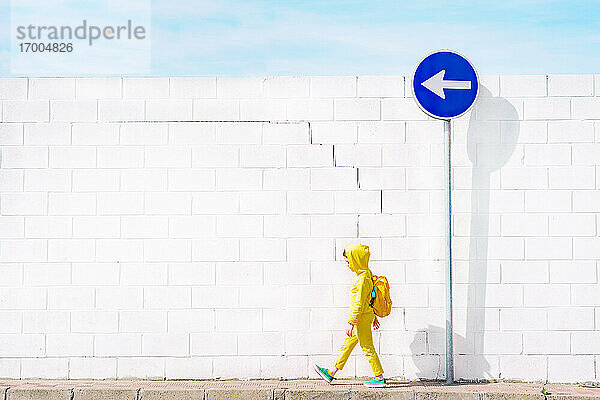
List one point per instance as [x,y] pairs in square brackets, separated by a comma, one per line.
[358,257]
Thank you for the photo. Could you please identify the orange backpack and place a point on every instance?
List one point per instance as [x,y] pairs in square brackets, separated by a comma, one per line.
[381,301]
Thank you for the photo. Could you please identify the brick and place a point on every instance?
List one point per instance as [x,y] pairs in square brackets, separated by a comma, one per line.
[498,343]
[215,156]
[547,201]
[262,249]
[191,133]
[96,227]
[381,132]
[191,180]
[215,203]
[119,250]
[140,88]
[209,344]
[160,344]
[192,87]
[94,180]
[572,225]
[230,367]
[65,250]
[424,178]
[264,343]
[221,249]
[300,343]
[13,88]
[142,321]
[121,110]
[582,108]
[490,85]
[547,155]
[120,157]
[94,134]
[501,295]
[13,134]
[523,319]
[70,298]
[524,178]
[189,226]
[334,225]
[286,133]
[359,155]
[229,87]
[380,86]
[168,203]
[46,322]
[585,154]
[22,345]
[524,271]
[72,157]
[289,272]
[238,179]
[51,88]
[584,295]
[192,321]
[263,156]
[277,318]
[95,274]
[570,131]
[262,110]
[45,134]
[24,157]
[239,225]
[121,344]
[333,86]
[94,321]
[570,368]
[47,180]
[572,272]
[499,109]
[570,318]
[216,110]
[357,109]
[548,108]
[69,345]
[187,273]
[98,88]
[337,178]
[73,111]
[140,367]
[406,155]
[185,368]
[571,177]
[72,203]
[237,320]
[168,110]
[25,250]
[303,202]
[88,367]
[44,227]
[13,227]
[115,203]
[524,225]
[143,180]
[548,248]
[333,132]
[424,132]
[525,368]
[309,156]
[585,342]
[395,109]
[167,297]
[165,250]
[144,133]
[309,109]
[523,86]
[26,111]
[357,202]
[546,342]
[286,86]
[171,156]
[570,85]
[288,179]
[238,133]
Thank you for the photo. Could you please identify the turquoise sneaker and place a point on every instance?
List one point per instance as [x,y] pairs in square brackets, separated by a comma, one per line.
[375,383]
[324,373]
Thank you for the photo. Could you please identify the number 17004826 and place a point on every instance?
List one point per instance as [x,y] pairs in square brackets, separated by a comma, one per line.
[46,47]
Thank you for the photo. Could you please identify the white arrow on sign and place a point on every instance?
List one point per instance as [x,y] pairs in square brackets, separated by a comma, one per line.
[437,84]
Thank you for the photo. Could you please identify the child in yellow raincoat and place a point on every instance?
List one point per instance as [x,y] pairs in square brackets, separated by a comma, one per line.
[361,317]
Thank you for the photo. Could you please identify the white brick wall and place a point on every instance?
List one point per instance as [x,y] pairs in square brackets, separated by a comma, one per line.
[192,227]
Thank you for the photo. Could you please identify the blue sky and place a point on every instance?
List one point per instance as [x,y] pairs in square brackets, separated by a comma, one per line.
[356,37]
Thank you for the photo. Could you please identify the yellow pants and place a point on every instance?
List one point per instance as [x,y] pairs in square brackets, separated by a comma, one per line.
[361,333]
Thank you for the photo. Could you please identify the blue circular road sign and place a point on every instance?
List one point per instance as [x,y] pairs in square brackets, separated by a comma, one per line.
[445,84]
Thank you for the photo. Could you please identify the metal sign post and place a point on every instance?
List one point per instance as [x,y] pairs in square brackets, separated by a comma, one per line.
[448,180]
[445,86]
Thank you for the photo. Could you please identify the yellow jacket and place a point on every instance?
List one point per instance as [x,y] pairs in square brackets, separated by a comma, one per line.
[360,295]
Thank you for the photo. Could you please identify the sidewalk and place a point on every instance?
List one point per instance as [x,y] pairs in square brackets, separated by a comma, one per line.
[48,389]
